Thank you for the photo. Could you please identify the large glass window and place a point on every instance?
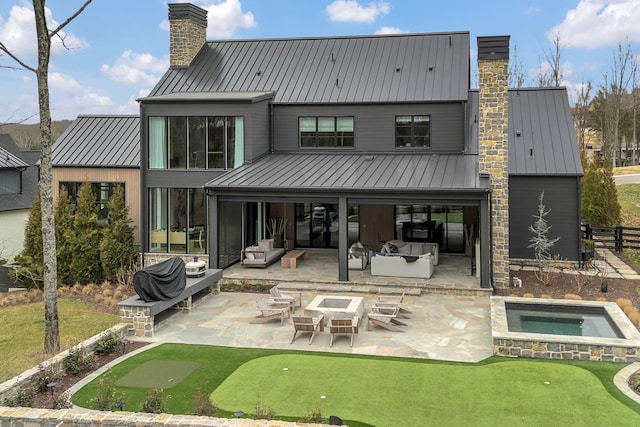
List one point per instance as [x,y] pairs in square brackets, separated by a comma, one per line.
[413,131]
[177,218]
[196,142]
[102,191]
[326,131]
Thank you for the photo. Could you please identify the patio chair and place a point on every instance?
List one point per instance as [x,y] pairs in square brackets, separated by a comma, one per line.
[390,308]
[269,311]
[385,317]
[294,299]
[307,324]
[343,326]
[392,300]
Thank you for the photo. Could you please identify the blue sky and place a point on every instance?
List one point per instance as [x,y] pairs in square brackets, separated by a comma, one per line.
[119,48]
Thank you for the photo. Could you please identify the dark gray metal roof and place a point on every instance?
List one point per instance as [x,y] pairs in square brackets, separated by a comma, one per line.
[210,96]
[99,141]
[542,139]
[8,160]
[340,173]
[542,117]
[10,202]
[360,69]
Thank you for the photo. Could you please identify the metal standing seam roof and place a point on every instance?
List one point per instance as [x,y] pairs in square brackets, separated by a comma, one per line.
[24,200]
[353,173]
[99,141]
[357,69]
[9,161]
[541,135]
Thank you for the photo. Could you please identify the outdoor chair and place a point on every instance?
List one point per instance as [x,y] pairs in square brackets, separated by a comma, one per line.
[269,311]
[307,324]
[294,299]
[392,301]
[343,326]
[385,317]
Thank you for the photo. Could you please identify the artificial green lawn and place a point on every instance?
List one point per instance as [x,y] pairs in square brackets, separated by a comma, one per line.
[369,390]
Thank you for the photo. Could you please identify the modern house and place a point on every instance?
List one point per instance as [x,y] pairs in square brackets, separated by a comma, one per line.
[18,181]
[366,138]
[104,151]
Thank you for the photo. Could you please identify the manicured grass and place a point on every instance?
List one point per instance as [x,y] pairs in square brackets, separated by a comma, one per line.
[626,170]
[22,332]
[369,390]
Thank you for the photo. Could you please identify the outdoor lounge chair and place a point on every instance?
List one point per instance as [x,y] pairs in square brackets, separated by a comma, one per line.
[269,311]
[392,300]
[385,317]
[307,324]
[390,308]
[294,299]
[343,326]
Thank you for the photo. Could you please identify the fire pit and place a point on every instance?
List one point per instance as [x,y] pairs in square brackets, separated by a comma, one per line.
[335,306]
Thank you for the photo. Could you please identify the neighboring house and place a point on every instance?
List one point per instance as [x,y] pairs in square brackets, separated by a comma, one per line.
[381,133]
[18,182]
[105,151]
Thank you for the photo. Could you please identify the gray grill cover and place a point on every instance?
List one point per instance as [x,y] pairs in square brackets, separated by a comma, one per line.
[161,281]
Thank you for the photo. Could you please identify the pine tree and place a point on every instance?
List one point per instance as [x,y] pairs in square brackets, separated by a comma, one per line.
[117,250]
[599,204]
[86,265]
[31,270]
[65,236]
[540,241]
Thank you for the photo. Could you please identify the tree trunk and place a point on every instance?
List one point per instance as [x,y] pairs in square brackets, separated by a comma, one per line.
[51,329]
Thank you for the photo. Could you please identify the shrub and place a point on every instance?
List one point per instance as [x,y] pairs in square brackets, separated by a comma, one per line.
[202,404]
[314,416]
[263,411]
[22,397]
[107,343]
[63,401]
[105,399]
[45,375]
[572,297]
[153,401]
[77,361]
[624,303]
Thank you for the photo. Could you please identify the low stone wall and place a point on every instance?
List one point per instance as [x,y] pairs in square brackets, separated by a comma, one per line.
[557,350]
[88,347]
[29,417]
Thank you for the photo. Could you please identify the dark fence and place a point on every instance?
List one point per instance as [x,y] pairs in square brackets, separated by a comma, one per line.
[614,238]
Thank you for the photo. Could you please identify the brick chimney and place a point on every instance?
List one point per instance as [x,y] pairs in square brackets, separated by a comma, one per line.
[187,33]
[493,153]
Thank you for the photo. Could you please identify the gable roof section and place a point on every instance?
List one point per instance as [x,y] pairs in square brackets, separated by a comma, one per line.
[353,173]
[99,141]
[12,201]
[8,160]
[360,69]
[542,117]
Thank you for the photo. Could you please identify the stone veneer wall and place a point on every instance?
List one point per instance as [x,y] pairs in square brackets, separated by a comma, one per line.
[556,350]
[186,38]
[493,127]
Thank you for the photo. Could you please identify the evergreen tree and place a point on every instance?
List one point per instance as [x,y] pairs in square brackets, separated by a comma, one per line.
[540,241]
[599,195]
[117,250]
[65,236]
[31,271]
[86,265]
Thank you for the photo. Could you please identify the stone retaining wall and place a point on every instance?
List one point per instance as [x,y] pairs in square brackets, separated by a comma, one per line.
[557,350]
[29,417]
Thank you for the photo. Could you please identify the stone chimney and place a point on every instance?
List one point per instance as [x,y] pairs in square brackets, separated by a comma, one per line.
[493,153]
[187,33]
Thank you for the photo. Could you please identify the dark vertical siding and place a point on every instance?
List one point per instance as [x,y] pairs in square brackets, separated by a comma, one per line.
[375,125]
[561,197]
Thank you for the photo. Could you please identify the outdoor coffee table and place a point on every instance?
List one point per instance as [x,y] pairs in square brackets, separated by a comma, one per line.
[335,306]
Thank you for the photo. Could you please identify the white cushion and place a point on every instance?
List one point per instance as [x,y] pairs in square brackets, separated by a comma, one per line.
[264,245]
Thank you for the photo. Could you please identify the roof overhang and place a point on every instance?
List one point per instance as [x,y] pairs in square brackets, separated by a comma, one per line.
[232,97]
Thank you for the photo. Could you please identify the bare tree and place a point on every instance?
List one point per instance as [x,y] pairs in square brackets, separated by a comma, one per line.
[44,36]
[581,115]
[517,77]
[553,75]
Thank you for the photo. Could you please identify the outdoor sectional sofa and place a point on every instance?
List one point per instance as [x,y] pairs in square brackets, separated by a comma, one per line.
[402,266]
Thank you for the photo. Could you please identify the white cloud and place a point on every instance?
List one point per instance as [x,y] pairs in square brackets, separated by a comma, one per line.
[224,18]
[136,68]
[19,34]
[597,23]
[390,30]
[531,10]
[352,11]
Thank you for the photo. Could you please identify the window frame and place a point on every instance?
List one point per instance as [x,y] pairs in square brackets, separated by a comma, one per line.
[411,134]
[318,138]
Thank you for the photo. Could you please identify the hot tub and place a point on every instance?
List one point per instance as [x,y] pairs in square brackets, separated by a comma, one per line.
[567,341]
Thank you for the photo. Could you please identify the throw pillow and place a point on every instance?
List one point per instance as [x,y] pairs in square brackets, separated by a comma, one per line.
[392,249]
[264,245]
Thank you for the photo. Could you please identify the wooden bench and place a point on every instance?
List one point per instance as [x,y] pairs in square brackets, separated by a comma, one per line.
[140,315]
[290,259]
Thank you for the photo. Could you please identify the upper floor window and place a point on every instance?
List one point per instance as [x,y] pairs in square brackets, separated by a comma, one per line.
[196,142]
[326,131]
[412,131]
